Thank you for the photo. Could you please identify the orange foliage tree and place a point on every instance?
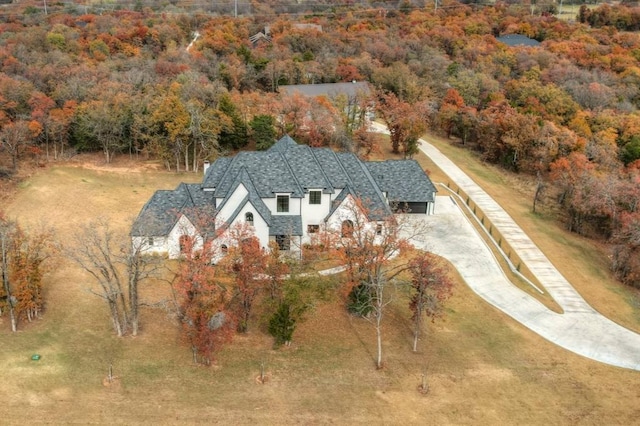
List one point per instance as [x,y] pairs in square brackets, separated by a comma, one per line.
[203,301]
[23,262]
[431,287]
[246,262]
[406,122]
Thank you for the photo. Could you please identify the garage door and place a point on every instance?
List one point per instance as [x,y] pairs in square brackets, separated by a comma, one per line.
[414,208]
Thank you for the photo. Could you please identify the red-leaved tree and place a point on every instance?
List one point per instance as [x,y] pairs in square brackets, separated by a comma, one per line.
[246,262]
[207,323]
[430,287]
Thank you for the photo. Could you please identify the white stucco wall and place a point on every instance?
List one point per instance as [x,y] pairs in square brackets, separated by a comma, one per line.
[348,210]
[314,214]
[431,208]
[182,227]
[159,245]
[260,228]
[233,201]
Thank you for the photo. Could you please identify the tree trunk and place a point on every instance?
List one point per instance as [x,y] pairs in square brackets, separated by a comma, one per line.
[5,281]
[379,340]
[416,334]
[115,316]
[46,141]
[186,159]
[133,303]
[195,157]
[538,193]
[14,159]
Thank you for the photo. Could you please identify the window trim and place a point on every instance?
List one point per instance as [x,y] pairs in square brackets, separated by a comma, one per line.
[317,193]
[279,208]
[248,217]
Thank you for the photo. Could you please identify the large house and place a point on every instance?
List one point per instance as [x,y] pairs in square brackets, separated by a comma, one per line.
[286,194]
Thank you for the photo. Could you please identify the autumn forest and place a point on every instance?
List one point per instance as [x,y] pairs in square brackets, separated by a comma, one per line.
[184,87]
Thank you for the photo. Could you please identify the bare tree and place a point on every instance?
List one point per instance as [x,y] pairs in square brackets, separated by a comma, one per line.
[97,251]
[368,248]
[140,268]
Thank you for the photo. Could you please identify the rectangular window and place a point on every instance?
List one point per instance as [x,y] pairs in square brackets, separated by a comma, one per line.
[283,241]
[312,229]
[282,203]
[151,241]
[315,197]
[379,229]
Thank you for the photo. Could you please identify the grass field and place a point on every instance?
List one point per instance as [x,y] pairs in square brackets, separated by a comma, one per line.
[482,367]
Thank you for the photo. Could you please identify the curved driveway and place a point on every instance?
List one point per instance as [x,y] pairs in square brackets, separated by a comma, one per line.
[580,329]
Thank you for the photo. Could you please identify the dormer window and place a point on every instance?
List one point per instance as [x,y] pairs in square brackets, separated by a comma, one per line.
[315,197]
[282,204]
[248,217]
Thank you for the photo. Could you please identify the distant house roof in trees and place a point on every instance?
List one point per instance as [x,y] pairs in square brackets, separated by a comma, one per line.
[327,89]
[517,40]
[307,26]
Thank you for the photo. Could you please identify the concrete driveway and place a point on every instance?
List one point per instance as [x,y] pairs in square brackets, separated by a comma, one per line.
[580,328]
[584,331]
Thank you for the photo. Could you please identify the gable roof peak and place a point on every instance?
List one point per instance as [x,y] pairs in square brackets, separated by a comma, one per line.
[283,144]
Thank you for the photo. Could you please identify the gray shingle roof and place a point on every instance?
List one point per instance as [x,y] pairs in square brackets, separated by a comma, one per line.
[517,40]
[332,167]
[215,172]
[285,225]
[307,169]
[364,186]
[286,168]
[327,89]
[402,180]
[283,144]
[160,214]
[268,169]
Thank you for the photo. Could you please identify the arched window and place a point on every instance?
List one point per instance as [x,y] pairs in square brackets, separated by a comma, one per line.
[248,217]
[186,244]
[224,249]
[347,229]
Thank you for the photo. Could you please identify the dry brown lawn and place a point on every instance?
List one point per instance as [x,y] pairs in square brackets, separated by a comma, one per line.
[482,367]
